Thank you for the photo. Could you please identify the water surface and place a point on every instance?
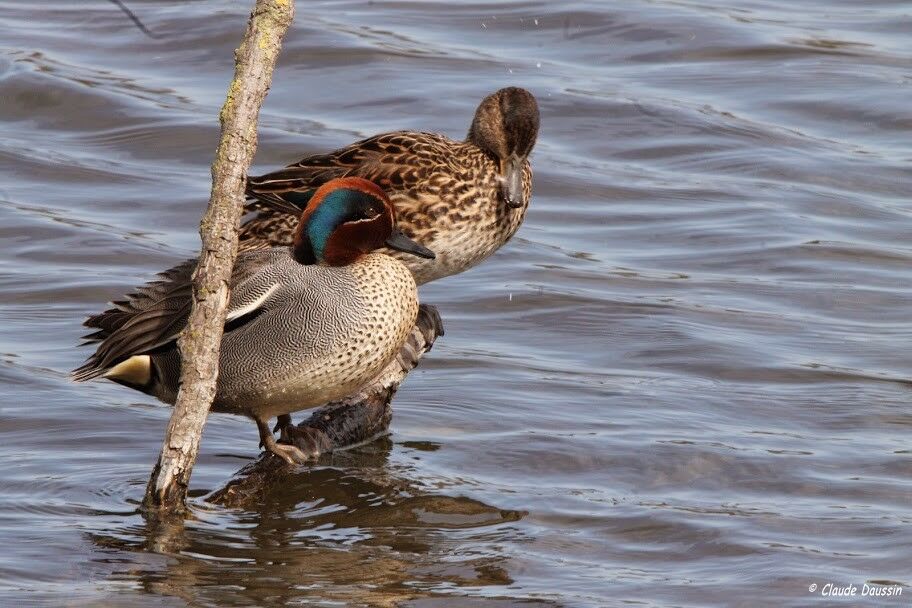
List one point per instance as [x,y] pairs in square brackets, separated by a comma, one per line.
[685,382]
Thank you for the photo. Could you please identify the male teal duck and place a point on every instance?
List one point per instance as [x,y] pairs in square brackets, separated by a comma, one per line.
[462,199]
[306,324]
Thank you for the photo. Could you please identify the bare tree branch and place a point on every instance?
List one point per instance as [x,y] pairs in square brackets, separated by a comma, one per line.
[199,343]
[132,17]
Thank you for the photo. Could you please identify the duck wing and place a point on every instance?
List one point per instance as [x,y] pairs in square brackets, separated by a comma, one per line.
[154,315]
[393,161]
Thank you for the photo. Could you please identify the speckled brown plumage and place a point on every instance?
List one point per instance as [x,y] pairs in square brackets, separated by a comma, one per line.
[463,200]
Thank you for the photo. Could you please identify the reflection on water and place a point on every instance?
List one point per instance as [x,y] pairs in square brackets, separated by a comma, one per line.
[685,382]
[353,530]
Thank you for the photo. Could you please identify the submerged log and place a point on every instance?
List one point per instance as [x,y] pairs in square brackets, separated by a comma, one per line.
[339,425]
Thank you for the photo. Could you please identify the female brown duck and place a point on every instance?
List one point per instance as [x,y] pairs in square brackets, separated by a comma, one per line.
[461,199]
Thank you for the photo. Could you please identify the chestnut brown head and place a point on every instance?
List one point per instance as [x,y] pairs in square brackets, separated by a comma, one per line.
[347,218]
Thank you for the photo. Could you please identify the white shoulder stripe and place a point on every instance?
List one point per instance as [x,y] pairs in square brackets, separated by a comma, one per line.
[240,312]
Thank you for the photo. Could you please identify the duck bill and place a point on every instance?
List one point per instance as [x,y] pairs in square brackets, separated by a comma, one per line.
[400,242]
[511,171]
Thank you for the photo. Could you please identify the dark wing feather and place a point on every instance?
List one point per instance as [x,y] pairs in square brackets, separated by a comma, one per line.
[146,318]
[169,290]
[154,315]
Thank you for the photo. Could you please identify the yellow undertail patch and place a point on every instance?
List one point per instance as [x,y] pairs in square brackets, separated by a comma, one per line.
[135,370]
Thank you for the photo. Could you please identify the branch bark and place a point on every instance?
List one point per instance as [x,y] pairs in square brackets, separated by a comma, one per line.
[199,344]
